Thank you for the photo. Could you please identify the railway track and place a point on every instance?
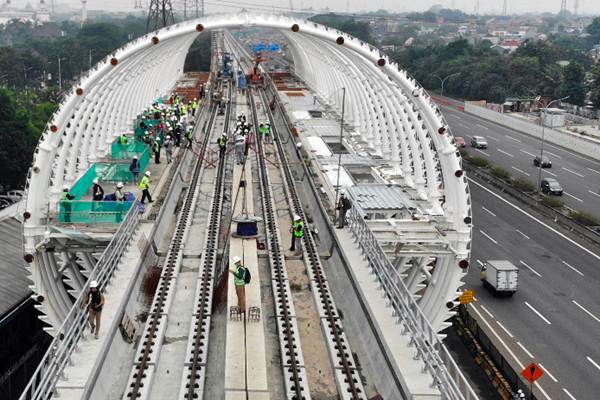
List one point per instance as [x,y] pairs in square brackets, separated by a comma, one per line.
[146,358]
[294,372]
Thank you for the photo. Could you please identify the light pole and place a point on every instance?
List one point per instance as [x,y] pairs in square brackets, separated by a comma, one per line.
[59,75]
[539,183]
[442,81]
[337,185]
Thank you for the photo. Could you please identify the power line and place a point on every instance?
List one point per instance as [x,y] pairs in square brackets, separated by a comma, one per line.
[563,8]
[505,7]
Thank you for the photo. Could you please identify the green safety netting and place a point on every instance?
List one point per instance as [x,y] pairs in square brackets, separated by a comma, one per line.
[120,151]
[93,211]
[84,183]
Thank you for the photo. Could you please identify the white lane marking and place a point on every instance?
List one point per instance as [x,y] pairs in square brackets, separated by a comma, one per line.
[512,138]
[539,314]
[594,170]
[594,193]
[593,362]
[573,172]
[549,173]
[482,152]
[483,127]
[504,152]
[524,235]
[525,350]
[488,211]
[521,171]
[488,236]
[571,153]
[586,310]
[528,153]
[486,311]
[493,138]
[569,394]
[504,329]
[529,268]
[576,198]
[519,363]
[537,385]
[553,155]
[573,268]
[565,237]
[463,126]
[548,372]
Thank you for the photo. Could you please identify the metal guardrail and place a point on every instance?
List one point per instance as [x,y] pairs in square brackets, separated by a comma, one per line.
[42,384]
[447,376]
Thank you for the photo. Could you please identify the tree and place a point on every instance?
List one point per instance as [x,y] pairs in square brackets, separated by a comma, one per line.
[595,85]
[594,30]
[572,85]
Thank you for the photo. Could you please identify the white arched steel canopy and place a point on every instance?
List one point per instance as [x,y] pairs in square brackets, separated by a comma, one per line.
[115,90]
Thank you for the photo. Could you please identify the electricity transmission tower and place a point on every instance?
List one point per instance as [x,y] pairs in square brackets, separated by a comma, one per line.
[505,7]
[160,14]
[563,8]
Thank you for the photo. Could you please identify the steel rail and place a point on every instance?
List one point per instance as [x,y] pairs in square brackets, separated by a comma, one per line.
[295,378]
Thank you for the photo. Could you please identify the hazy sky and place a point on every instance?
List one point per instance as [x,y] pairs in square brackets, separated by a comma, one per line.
[514,6]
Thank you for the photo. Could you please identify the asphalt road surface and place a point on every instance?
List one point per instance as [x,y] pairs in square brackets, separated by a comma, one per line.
[515,151]
[554,318]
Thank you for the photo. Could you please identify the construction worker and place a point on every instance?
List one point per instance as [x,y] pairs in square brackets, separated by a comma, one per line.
[66,198]
[239,280]
[190,137]
[520,395]
[194,106]
[156,150]
[145,186]
[134,168]
[222,142]
[94,302]
[240,146]
[123,140]
[343,206]
[267,134]
[169,149]
[297,235]
[119,196]
[97,191]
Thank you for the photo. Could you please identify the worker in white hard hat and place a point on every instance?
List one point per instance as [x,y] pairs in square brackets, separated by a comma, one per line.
[145,186]
[119,196]
[343,206]
[97,191]
[297,234]
[241,276]
[520,395]
[134,168]
[65,204]
[94,302]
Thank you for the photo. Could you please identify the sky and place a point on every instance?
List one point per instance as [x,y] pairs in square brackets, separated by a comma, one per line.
[486,6]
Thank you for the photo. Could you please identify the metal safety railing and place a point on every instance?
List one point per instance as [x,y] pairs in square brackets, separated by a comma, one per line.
[42,384]
[447,376]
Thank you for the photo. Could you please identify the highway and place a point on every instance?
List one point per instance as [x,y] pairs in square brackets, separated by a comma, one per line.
[514,151]
[554,318]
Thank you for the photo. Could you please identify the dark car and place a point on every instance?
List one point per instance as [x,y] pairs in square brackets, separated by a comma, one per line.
[479,142]
[544,161]
[551,186]
[460,141]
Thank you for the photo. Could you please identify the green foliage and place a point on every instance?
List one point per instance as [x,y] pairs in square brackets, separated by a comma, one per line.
[18,138]
[500,172]
[553,201]
[198,58]
[595,85]
[480,162]
[584,218]
[572,84]
[594,30]
[360,30]
[524,185]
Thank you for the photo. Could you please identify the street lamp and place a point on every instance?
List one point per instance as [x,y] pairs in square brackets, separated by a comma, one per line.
[442,81]
[537,99]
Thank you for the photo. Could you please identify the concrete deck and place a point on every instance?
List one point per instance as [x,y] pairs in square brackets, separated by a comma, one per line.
[245,355]
[415,382]
[77,373]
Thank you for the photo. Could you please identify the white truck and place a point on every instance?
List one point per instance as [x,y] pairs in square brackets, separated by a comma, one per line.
[500,276]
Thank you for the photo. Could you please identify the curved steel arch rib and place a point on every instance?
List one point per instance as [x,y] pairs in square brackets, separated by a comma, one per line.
[397,115]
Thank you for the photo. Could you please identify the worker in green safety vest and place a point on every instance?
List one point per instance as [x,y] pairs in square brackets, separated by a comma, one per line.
[145,186]
[297,235]
[123,139]
[194,107]
[66,198]
[222,142]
